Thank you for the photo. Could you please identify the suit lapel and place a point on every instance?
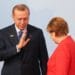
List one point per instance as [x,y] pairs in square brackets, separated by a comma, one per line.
[29,31]
[13,35]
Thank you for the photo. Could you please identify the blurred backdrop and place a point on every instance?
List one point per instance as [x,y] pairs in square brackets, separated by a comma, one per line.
[41,13]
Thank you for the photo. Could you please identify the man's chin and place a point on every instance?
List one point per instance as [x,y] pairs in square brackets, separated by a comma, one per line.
[22,28]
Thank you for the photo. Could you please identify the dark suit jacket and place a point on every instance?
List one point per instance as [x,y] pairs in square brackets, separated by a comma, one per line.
[31,57]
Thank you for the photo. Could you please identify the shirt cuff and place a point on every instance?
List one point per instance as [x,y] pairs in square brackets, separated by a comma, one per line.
[18,50]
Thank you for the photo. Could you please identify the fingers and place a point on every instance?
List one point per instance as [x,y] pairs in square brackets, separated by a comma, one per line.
[26,42]
[22,43]
[24,35]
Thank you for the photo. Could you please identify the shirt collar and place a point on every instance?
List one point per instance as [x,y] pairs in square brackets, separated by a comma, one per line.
[18,30]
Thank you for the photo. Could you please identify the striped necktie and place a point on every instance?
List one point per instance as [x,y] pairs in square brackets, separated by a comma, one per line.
[20,34]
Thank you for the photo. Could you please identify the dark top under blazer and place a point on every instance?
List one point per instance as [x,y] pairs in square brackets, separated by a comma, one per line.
[32,56]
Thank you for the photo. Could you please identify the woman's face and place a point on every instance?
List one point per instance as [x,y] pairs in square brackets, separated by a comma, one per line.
[54,38]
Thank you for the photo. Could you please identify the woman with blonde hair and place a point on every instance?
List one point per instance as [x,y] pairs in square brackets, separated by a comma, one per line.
[62,61]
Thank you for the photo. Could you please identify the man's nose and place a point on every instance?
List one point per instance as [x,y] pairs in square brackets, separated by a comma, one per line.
[22,21]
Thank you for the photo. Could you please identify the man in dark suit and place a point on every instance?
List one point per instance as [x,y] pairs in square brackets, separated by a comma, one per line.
[25,55]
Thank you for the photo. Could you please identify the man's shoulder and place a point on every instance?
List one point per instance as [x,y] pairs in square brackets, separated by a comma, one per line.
[8,28]
[31,27]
